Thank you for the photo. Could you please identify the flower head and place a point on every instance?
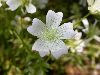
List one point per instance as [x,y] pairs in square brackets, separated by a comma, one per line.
[50,34]
[14,4]
[80,46]
[77,45]
[94,6]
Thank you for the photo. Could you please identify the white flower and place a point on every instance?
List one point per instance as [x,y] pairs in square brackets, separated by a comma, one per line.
[86,25]
[18,21]
[14,4]
[94,6]
[50,34]
[78,44]
[28,19]
[30,8]
[90,2]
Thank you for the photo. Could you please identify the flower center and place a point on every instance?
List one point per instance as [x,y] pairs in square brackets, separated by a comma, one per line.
[50,34]
[25,2]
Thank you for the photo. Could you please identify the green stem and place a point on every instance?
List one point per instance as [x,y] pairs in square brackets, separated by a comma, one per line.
[76,24]
[93,61]
[18,36]
[48,57]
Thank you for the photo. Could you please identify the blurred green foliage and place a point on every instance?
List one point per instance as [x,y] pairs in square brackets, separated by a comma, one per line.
[16,56]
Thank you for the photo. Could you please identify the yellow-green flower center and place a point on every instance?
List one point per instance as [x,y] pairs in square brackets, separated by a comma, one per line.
[50,34]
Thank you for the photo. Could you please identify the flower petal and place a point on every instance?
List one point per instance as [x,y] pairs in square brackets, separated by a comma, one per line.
[31,8]
[53,19]
[42,47]
[66,31]
[81,45]
[95,7]
[0,4]
[90,2]
[58,48]
[37,27]
[13,4]
[78,35]
[85,22]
